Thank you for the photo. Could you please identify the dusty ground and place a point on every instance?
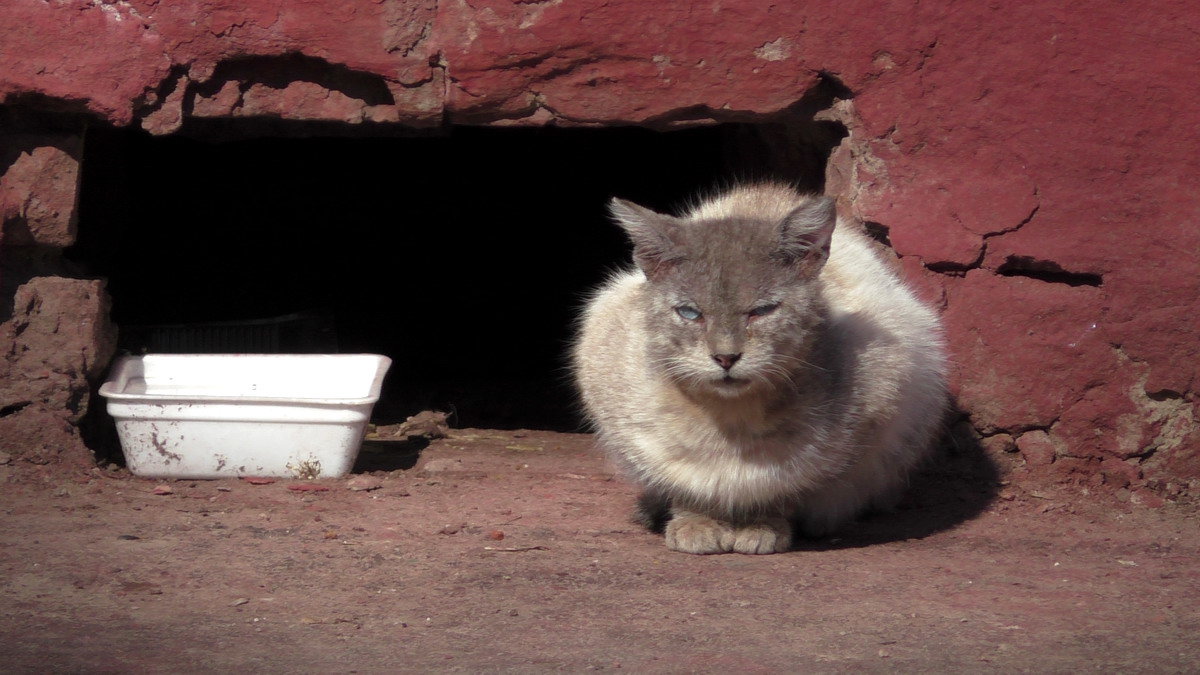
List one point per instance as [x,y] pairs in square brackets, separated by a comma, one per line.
[512,551]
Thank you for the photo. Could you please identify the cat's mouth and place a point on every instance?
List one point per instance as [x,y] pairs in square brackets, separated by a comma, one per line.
[731,382]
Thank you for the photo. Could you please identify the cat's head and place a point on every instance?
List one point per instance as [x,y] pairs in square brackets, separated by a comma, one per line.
[732,297]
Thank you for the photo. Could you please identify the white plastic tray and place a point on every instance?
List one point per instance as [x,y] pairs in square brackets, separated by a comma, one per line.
[216,415]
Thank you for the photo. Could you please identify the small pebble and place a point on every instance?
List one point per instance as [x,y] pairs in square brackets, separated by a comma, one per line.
[364,483]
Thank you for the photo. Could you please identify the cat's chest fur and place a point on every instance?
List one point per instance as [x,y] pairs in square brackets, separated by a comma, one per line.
[741,453]
[737,469]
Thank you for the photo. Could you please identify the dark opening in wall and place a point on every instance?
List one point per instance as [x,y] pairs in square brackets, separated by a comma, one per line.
[464,256]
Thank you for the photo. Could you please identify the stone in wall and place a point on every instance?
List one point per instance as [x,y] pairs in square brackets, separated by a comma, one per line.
[39,180]
[53,349]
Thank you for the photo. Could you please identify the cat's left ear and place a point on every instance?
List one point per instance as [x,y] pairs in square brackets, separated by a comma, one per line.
[654,248]
[805,233]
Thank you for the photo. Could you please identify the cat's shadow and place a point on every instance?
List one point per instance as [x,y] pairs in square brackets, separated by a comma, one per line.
[955,485]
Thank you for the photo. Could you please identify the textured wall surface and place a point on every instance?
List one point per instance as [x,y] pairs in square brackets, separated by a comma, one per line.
[1034,165]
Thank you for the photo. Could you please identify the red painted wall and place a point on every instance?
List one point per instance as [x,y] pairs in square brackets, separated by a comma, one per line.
[1036,164]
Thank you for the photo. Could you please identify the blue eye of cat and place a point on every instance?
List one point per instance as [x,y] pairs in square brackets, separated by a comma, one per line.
[689,313]
[763,310]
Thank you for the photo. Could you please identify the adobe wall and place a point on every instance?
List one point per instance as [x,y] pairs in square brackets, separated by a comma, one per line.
[1034,165]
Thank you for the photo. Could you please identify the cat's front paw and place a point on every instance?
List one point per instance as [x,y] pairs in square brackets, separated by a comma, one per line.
[695,533]
[771,536]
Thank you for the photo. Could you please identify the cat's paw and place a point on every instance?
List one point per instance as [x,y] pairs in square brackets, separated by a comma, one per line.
[771,536]
[695,533]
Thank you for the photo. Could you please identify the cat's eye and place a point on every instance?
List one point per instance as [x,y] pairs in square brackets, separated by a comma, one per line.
[764,309]
[688,312]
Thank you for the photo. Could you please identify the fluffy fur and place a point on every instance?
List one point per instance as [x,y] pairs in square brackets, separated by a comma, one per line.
[760,368]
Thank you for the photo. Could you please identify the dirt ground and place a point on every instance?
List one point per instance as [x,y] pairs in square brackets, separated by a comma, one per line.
[499,551]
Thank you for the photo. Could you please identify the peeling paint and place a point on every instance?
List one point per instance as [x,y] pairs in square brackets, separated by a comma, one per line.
[778,49]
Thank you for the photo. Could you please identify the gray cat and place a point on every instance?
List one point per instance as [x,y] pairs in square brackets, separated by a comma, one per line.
[762,367]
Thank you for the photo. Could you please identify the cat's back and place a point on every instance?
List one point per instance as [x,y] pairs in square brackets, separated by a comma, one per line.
[608,352]
[859,281]
[610,315]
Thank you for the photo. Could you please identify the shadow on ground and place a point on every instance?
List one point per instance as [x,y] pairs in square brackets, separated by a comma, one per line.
[956,484]
[390,455]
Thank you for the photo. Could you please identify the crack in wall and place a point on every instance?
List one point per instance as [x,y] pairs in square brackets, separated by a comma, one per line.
[14,408]
[954,269]
[1025,221]
[1046,271]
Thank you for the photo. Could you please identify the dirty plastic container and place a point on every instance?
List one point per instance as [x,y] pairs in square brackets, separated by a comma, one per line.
[217,415]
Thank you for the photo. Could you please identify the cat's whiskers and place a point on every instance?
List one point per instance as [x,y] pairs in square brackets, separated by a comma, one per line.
[773,374]
[796,360]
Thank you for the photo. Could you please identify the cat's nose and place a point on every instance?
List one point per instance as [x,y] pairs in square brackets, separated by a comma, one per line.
[726,360]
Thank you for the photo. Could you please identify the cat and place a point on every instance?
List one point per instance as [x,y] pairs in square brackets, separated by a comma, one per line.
[760,370]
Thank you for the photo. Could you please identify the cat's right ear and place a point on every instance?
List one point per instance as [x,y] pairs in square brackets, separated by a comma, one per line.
[805,234]
[654,249]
